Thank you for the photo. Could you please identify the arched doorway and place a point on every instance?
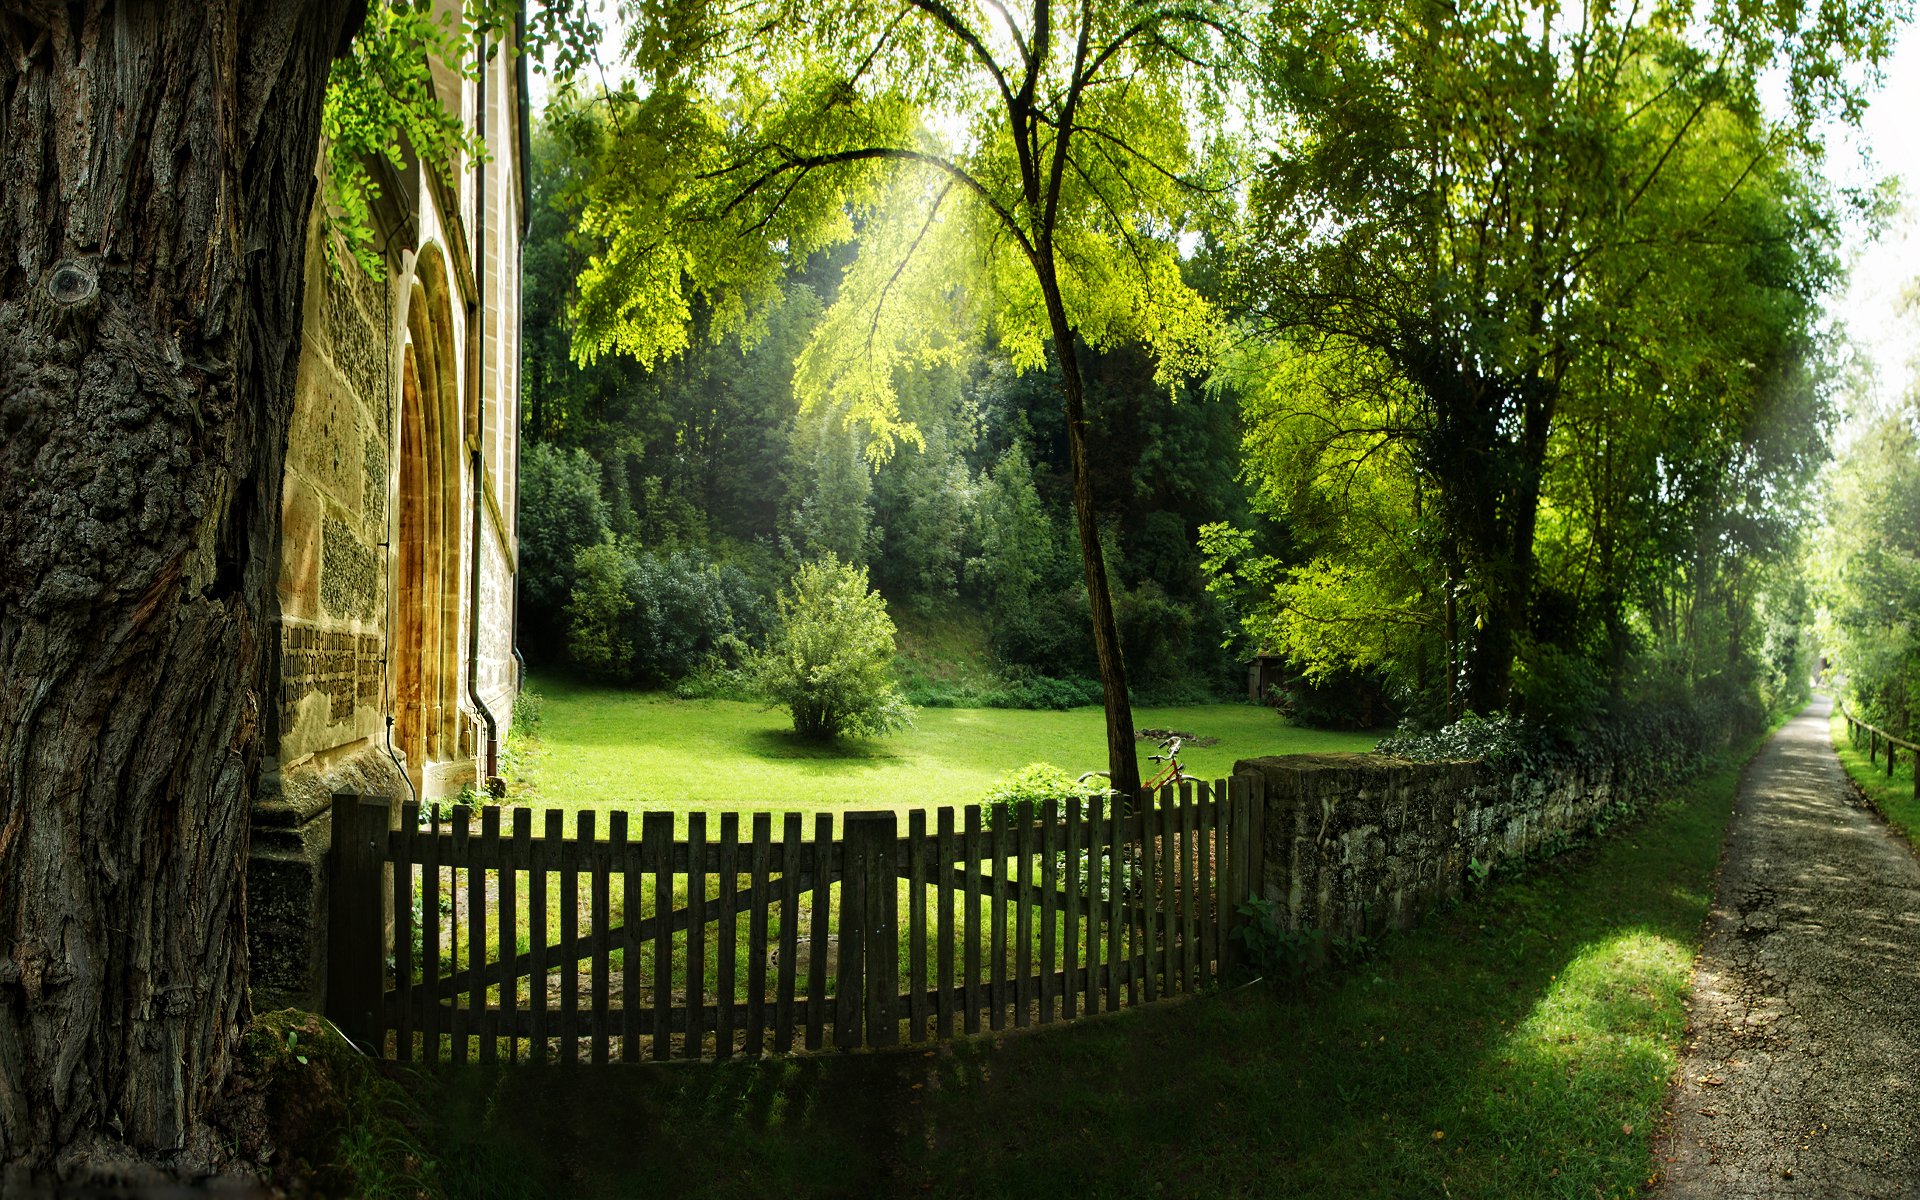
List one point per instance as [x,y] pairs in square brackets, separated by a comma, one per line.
[425,622]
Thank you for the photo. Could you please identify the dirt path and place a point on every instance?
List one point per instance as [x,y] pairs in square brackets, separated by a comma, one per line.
[1802,1073]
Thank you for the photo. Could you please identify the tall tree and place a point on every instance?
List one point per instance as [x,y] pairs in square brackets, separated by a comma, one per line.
[1502,179]
[1058,152]
[157,163]
[1870,568]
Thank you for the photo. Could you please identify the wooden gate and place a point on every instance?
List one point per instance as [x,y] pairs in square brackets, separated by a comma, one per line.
[700,938]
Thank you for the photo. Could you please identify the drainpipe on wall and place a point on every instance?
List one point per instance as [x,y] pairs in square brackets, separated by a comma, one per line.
[520,309]
[476,375]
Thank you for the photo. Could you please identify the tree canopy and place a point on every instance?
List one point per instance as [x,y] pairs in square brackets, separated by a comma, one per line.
[1058,154]
[1538,293]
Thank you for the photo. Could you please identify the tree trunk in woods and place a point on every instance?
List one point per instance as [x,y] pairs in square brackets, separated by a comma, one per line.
[156,175]
[1123,763]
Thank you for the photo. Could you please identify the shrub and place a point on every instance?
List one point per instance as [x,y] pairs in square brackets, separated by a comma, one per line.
[1029,787]
[1041,691]
[638,618]
[830,659]
[561,511]
[603,596]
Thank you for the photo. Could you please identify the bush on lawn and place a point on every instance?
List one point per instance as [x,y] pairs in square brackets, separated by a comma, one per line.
[830,659]
[1025,790]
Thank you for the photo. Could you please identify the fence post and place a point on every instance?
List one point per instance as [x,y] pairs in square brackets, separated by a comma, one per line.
[872,844]
[1239,825]
[356,930]
[849,990]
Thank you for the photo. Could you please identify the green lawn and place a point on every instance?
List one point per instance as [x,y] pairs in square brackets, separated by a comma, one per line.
[604,747]
[1517,1046]
[1893,796]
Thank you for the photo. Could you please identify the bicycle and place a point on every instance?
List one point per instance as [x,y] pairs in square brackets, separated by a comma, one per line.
[1172,773]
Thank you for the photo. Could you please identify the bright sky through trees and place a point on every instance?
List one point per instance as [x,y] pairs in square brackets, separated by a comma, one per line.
[1884,268]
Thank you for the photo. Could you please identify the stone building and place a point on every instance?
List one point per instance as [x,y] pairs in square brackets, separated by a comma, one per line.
[395,671]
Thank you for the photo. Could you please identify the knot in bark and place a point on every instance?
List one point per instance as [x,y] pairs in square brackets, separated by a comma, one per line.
[73,283]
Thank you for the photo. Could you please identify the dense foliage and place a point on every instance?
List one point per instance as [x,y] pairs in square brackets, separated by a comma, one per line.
[1526,381]
[649,619]
[1870,571]
[1539,409]
[830,658]
[711,450]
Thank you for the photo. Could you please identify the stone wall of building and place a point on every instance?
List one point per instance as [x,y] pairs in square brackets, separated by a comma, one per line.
[377,599]
[329,691]
[1356,843]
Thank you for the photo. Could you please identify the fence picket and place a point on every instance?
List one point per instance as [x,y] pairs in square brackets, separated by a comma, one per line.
[1189,891]
[996,882]
[693,1042]
[403,894]
[623,857]
[601,917]
[1095,811]
[460,952]
[477,931]
[728,933]
[1209,805]
[1116,889]
[789,932]
[975,853]
[1070,935]
[1124,833]
[569,965]
[943,948]
[1049,909]
[1148,884]
[430,1027]
[513,864]
[916,925]
[820,941]
[544,857]
[757,935]
[656,841]
[849,1011]
[1023,916]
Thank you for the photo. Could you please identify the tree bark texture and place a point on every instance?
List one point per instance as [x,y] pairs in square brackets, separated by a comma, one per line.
[1488,447]
[156,175]
[1123,762]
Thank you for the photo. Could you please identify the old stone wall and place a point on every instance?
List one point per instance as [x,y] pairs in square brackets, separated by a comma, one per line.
[400,381]
[1356,843]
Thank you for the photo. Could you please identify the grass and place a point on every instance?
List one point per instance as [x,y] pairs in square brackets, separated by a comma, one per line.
[1519,1045]
[602,747]
[1893,796]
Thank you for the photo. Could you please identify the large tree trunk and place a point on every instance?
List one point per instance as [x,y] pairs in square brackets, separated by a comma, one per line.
[1123,762]
[156,175]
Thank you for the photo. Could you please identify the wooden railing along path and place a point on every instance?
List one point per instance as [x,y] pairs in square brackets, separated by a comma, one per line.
[1875,737]
[507,945]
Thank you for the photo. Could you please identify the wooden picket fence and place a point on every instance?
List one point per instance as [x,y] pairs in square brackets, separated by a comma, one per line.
[1877,739]
[507,945]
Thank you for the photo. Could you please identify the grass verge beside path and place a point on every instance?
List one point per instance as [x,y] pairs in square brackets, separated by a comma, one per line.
[605,747]
[1519,1045]
[1893,796]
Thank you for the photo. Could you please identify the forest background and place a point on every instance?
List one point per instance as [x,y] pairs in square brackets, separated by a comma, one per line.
[1537,429]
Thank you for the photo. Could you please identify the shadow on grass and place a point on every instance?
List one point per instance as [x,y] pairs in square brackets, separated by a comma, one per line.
[1518,1045]
[786,746]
